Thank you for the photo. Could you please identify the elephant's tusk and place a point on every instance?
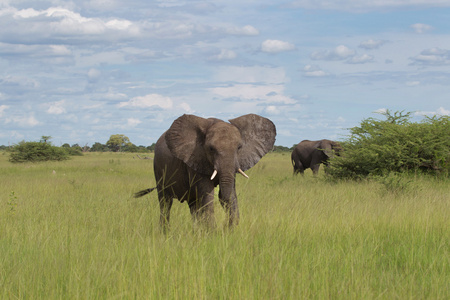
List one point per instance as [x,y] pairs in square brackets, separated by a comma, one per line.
[242,173]
[214,174]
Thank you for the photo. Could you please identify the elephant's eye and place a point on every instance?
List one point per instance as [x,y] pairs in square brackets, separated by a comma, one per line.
[212,149]
[239,147]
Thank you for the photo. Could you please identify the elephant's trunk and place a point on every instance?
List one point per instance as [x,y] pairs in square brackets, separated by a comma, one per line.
[227,196]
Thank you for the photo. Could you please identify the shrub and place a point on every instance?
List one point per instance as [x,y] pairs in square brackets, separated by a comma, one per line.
[98,147]
[396,144]
[37,152]
[395,183]
[74,151]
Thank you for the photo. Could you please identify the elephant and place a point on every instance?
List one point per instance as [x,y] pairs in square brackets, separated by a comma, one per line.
[196,154]
[310,154]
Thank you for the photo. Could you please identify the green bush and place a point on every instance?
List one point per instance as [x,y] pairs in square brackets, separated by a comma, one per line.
[378,147]
[74,151]
[37,152]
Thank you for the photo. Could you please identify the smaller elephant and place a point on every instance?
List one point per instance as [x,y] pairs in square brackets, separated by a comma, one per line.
[310,154]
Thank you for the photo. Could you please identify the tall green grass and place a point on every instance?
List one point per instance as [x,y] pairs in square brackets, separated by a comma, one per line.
[71,230]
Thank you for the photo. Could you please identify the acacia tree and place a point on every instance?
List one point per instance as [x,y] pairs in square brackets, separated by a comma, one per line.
[45,138]
[396,144]
[117,141]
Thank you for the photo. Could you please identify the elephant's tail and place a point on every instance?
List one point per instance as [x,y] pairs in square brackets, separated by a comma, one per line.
[143,192]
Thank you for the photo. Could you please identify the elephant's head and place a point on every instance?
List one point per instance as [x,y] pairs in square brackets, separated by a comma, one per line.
[329,148]
[212,145]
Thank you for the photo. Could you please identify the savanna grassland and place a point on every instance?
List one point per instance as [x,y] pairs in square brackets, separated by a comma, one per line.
[72,230]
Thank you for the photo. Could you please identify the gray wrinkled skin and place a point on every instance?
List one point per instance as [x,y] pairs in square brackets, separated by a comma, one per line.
[187,154]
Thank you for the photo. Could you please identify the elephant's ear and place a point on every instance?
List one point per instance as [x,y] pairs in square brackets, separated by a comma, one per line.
[258,136]
[336,146]
[185,139]
[326,147]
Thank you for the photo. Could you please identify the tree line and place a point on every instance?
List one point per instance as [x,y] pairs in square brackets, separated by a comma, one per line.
[374,148]
[45,151]
[116,143]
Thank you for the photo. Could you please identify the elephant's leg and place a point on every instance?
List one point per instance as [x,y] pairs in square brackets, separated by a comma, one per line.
[165,204]
[231,207]
[207,209]
[315,169]
[299,169]
[202,209]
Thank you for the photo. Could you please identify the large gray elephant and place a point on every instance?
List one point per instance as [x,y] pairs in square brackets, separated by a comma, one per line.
[195,155]
[310,154]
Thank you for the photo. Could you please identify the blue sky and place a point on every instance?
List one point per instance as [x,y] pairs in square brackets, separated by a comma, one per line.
[80,71]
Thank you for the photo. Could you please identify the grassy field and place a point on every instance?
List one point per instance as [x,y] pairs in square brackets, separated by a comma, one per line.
[72,230]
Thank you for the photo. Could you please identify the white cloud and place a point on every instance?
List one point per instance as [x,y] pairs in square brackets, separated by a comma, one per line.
[56,108]
[19,81]
[58,23]
[118,24]
[372,44]
[276,46]
[380,111]
[111,95]
[60,50]
[256,74]
[185,107]
[361,59]
[314,71]
[2,109]
[94,74]
[147,101]
[264,93]
[272,110]
[433,56]
[132,122]
[24,13]
[439,112]
[443,112]
[174,29]
[26,121]
[246,30]
[421,28]
[225,54]
[341,52]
